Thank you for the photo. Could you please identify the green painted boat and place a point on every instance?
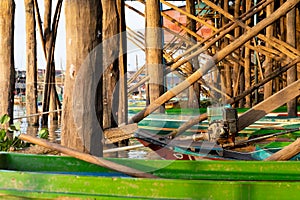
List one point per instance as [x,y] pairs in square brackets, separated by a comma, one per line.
[25,176]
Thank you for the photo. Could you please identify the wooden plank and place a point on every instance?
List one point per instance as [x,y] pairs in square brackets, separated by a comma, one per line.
[268,105]
[287,152]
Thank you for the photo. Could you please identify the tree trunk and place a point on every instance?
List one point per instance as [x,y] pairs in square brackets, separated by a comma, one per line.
[31,64]
[80,126]
[291,73]
[7,75]
[154,50]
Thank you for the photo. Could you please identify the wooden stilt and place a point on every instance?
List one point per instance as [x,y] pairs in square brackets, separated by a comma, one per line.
[154,50]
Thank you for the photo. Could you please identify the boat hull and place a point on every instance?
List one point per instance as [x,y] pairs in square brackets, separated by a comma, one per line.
[56,177]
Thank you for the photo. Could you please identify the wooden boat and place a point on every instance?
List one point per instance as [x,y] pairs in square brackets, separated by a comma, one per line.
[60,177]
[154,131]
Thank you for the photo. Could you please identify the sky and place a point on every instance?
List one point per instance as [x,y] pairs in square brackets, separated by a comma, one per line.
[136,57]
[20,38]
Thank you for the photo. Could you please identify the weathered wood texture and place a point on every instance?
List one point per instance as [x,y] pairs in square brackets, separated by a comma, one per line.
[111,51]
[270,104]
[268,65]
[123,99]
[247,66]
[194,90]
[80,127]
[286,153]
[154,50]
[113,135]
[31,63]
[7,75]
[291,73]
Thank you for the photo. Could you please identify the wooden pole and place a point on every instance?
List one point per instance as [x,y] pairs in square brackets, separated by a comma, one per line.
[80,126]
[291,73]
[288,5]
[31,64]
[39,23]
[49,92]
[86,157]
[123,95]
[194,90]
[7,75]
[154,50]
[248,63]
[111,73]
[48,42]
[268,88]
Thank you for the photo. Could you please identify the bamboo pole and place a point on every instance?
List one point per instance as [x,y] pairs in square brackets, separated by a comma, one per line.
[136,74]
[86,157]
[39,23]
[187,30]
[123,148]
[37,114]
[50,46]
[141,82]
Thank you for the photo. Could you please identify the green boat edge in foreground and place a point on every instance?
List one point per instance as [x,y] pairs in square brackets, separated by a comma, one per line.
[54,177]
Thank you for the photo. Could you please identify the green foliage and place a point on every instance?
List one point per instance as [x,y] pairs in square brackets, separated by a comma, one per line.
[7,143]
[4,119]
[43,133]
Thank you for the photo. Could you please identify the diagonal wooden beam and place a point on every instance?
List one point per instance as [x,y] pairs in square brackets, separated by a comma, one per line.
[268,105]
